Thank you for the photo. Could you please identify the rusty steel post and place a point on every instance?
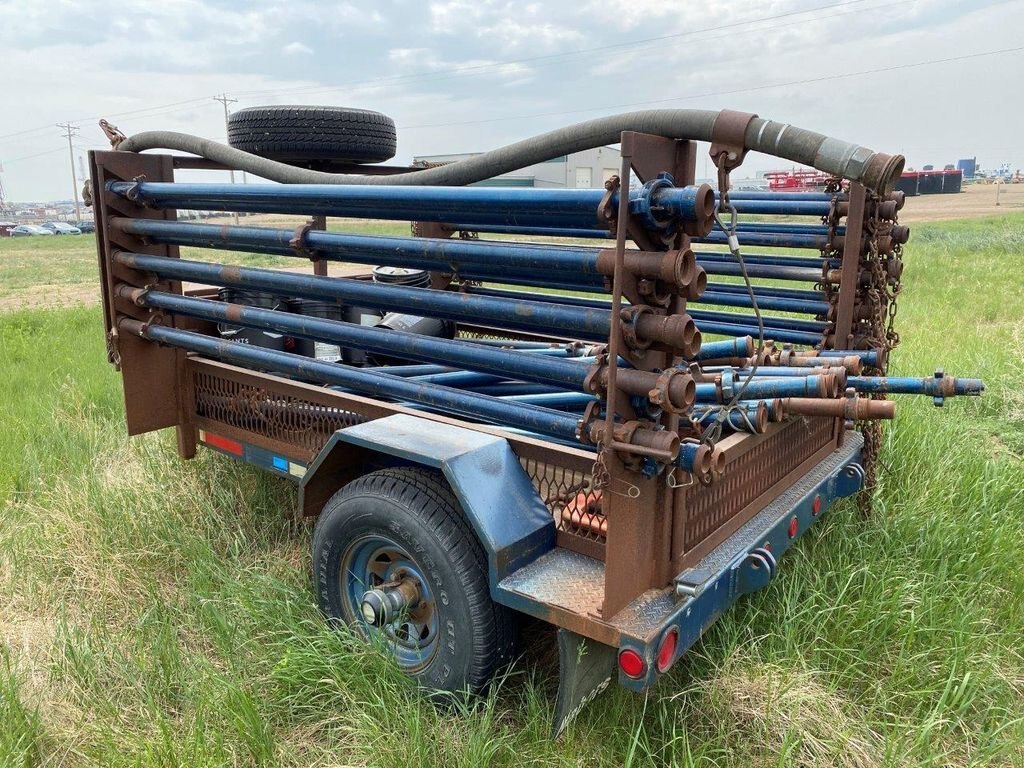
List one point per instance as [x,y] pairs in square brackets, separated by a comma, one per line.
[851,265]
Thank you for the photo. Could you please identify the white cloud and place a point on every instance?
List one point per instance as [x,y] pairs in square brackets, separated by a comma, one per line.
[296,48]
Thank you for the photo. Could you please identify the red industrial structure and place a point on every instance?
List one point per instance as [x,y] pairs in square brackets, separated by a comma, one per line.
[796,181]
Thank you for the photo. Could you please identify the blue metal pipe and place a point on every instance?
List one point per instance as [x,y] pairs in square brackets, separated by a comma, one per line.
[772,195]
[534,207]
[774,303]
[707,316]
[505,363]
[762,389]
[540,316]
[780,207]
[444,255]
[770,321]
[773,407]
[742,346]
[937,386]
[480,407]
[785,228]
[868,356]
[767,290]
[559,400]
[768,239]
[407,371]
[790,274]
[508,229]
[773,371]
[516,388]
[809,261]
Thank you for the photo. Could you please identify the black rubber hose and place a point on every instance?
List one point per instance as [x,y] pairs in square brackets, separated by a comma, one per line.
[876,170]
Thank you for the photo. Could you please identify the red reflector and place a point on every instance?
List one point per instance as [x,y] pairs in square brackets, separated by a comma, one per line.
[224,444]
[793,526]
[631,663]
[667,649]
[816,506]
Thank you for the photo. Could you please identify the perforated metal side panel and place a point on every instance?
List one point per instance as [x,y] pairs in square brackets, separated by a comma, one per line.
[752,474]
[271,414]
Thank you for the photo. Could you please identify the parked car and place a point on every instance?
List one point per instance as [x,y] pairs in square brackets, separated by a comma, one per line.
[61,228]
[28,230]
[86,226]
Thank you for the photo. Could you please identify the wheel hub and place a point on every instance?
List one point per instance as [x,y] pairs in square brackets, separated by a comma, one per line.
[385,604]
[385,594]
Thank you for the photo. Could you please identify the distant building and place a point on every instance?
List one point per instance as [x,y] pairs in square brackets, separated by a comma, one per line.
[588,169]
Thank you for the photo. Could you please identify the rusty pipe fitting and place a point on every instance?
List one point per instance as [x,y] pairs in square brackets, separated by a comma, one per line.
[887,210]
[634,438]
[900,234]
[807,359]
[697,285]
[676,392]
[897,196]
[677,331]
[851,408]
[675,268]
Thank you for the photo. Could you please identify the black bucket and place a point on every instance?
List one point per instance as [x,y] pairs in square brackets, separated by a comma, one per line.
[421,326]
[328,310]
[253,336]
[359,316]
[413,278]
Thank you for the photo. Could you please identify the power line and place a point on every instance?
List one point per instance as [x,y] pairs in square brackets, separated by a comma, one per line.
[225,100]
[37,154]
[70,131]
[750,89]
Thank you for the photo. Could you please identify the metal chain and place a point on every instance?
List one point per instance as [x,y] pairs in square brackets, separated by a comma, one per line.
[713,432]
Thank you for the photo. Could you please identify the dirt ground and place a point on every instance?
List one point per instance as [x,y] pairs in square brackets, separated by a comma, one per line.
[975,201]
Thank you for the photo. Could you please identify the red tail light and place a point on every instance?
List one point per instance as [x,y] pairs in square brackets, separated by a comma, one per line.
[667,649]
[794,526]
[632,663]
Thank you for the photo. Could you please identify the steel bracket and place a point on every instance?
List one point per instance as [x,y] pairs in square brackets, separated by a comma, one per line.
[692,582]
[850,480]
[753,571]
[728,138]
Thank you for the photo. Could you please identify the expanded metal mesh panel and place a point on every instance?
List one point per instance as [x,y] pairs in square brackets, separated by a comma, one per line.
[750,475]
[567,492]
[274,415]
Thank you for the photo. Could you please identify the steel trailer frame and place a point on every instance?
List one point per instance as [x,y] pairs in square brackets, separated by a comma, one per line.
[674,555]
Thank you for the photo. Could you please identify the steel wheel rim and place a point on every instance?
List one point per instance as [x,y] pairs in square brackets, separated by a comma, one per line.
[375,559]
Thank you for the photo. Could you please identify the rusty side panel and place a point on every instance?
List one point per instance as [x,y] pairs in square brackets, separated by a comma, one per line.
[153,396]
[758,469]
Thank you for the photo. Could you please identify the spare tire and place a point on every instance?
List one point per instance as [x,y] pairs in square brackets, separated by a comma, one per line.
[313,137]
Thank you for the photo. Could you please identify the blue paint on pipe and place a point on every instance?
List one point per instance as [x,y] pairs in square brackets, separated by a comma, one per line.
[506,363]
[545,317]
[540,420]
[531,207]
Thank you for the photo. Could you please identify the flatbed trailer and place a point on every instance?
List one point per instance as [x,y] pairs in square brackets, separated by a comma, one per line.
[444,513]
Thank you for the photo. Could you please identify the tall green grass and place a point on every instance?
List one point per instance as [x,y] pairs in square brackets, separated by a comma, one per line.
[157,612]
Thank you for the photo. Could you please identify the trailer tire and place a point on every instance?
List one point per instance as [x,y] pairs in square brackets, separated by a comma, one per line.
[407,520]
[313,137]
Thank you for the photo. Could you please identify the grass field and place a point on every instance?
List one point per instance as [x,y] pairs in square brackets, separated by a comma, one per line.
[158,612]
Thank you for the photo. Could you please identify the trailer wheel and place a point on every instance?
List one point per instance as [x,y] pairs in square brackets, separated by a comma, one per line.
[313,136]
[394,558]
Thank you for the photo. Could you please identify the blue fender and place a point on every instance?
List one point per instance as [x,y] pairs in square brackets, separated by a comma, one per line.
[497,498]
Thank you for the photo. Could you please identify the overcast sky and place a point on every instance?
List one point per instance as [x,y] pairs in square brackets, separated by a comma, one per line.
[467,75]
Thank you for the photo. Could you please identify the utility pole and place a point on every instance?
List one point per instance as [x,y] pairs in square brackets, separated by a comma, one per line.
[69,132]
[223,99]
